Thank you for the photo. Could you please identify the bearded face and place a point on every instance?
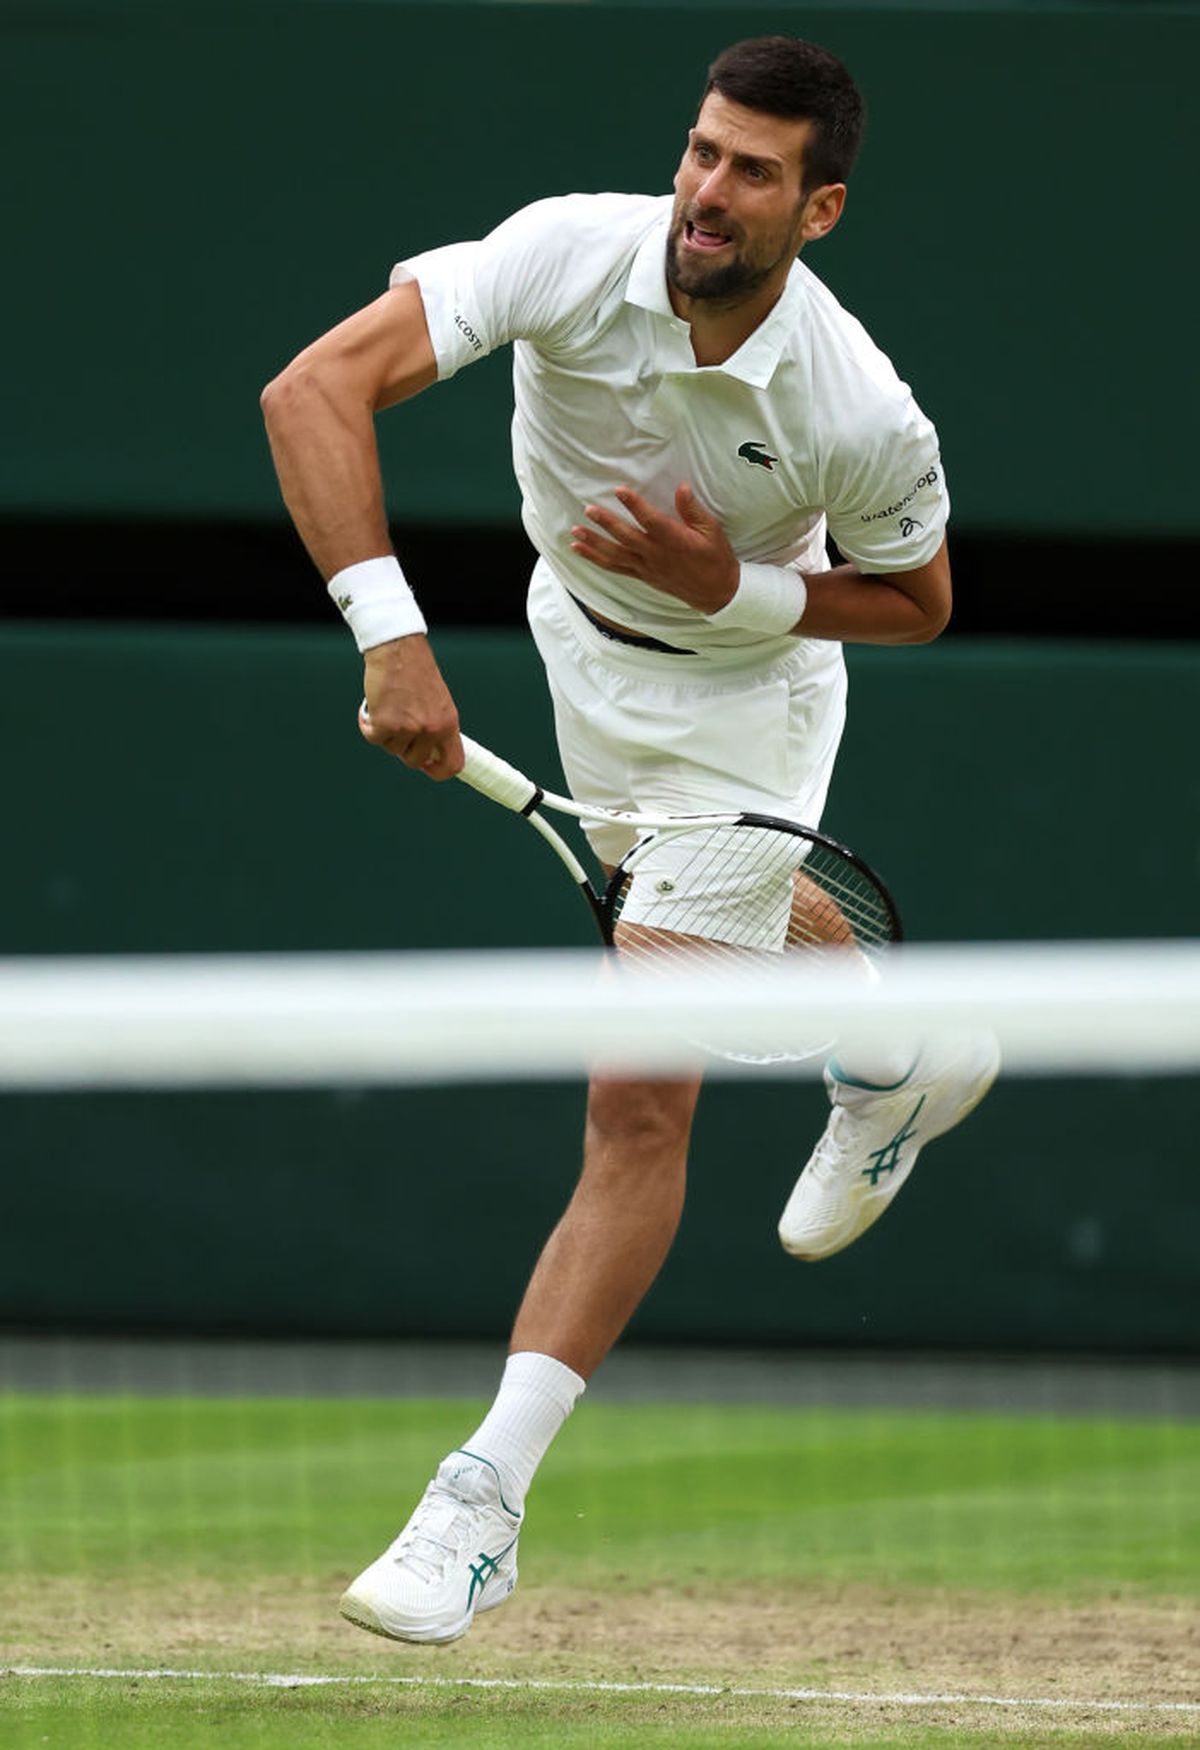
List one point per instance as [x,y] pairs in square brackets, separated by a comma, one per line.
[710,255]
[739,202]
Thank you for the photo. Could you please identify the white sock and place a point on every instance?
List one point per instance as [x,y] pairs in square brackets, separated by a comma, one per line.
[537,1394]
[874,1066]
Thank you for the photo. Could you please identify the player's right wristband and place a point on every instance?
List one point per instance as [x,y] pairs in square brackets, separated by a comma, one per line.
[768,599]
[376,602]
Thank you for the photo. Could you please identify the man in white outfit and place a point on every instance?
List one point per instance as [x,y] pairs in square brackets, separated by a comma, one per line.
[693,412]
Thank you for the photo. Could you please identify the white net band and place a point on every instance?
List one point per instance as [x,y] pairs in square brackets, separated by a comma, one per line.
[395,1018]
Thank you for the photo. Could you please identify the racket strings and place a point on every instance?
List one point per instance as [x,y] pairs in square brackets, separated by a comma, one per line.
[752,887]
[736,898]
[844,904]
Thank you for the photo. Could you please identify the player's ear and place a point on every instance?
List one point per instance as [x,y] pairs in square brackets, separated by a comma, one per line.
[821,211]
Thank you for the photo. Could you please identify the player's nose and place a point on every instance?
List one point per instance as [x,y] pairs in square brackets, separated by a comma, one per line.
[713,193]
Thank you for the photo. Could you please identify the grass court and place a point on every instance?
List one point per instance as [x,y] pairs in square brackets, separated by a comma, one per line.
[690,1575]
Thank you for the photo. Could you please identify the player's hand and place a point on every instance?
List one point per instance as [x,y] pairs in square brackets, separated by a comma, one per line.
[408,710]
[687,555]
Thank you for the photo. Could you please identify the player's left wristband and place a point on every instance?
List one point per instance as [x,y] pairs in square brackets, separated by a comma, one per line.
[376,602]
[768,599]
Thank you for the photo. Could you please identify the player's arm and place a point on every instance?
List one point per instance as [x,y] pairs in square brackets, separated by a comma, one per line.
[901,607]
[320,417]
[689,556]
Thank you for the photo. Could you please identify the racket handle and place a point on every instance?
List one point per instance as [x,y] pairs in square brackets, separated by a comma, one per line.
[496,779]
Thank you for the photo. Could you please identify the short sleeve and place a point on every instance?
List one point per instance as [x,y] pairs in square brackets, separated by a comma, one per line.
[888,504]
[525,280]
[446,278]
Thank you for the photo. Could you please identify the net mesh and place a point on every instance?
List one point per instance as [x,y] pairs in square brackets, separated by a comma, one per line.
[893,1463]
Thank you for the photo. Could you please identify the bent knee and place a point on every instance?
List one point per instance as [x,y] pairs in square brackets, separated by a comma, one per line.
[641,1118]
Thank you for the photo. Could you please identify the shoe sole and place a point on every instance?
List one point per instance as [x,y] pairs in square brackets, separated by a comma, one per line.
[360,1613]
[357,1611]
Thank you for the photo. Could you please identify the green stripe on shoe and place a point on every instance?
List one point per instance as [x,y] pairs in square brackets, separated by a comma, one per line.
[839,1075]
[479,1459]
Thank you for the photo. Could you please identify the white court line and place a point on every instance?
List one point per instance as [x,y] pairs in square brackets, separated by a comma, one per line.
[308,1680]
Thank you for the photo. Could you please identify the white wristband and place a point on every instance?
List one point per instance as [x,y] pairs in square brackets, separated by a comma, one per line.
[376,602]
[769,598]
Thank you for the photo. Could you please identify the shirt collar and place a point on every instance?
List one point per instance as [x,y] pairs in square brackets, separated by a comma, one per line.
[647,284]
[756,359]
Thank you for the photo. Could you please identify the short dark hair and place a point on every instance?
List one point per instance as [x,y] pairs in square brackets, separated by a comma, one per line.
[786,76]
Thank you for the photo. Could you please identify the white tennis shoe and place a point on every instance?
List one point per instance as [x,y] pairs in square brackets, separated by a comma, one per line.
[871,1142]
[457,1555]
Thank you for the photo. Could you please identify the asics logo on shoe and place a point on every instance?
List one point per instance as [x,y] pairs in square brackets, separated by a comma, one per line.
[887,1158]
[482,1570]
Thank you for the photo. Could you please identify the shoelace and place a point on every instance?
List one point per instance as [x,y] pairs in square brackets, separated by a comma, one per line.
[434,1535]
[825,1162]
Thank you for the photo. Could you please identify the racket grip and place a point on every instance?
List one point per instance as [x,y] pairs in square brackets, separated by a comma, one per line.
[496,779]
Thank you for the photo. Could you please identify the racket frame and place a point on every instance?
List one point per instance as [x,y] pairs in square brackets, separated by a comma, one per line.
[512,789]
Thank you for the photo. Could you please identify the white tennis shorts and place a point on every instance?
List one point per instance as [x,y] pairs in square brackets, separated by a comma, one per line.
[711,733]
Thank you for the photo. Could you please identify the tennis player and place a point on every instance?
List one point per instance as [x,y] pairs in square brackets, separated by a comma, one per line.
[693,412]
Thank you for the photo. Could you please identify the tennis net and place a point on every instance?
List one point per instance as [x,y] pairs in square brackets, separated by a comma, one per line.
[266,1222]
[377,1019]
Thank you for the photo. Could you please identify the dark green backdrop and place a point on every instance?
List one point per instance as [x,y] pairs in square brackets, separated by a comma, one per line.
[199,188]
[192,790]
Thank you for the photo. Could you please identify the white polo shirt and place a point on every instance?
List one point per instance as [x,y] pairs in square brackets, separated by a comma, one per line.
[806,426]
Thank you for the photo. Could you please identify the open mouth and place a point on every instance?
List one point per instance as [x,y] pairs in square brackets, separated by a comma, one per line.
[703,238]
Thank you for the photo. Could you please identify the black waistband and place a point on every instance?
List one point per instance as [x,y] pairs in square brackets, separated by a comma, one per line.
[638,639]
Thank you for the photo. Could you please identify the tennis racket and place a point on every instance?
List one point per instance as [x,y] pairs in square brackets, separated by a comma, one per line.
[729,889]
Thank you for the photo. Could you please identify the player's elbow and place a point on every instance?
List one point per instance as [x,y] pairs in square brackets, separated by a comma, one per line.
[930,600]
[303,399]
[284,393]
[935,617]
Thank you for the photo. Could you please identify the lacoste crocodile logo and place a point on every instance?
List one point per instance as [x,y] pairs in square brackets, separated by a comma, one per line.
[756,455]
